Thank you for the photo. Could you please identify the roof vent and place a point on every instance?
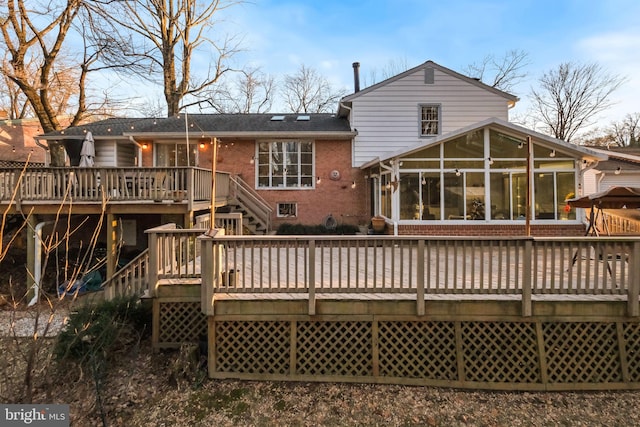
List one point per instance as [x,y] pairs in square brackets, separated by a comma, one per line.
[277,118]
[303,118]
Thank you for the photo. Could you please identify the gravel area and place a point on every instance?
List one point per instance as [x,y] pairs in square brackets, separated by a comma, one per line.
[21,323]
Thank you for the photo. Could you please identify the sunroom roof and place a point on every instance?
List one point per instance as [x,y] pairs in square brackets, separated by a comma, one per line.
[495,123]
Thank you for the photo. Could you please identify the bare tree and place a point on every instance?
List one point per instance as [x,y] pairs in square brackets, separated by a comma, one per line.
[306,91]
[571,96]
[252,92]
[626,133]
[392,68]
[503,72]
[12,100]
[165,36]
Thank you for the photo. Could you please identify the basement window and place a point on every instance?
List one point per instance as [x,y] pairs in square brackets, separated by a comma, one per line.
[287,210]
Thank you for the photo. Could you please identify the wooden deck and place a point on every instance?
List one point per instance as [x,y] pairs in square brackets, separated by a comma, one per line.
[515,314]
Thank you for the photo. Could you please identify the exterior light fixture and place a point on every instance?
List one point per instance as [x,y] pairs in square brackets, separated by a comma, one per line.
[617,172]
[458,173]
[424,181]
[318,180]
[253,160]
[145,145]
[202,145]
[490,160]
[521,144]
[353,184]
[552,153]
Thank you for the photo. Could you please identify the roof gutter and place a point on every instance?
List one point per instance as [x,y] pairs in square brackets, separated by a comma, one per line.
[253,134]
[37,139]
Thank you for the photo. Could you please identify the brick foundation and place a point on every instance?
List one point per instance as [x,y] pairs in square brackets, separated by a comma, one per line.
[540,230]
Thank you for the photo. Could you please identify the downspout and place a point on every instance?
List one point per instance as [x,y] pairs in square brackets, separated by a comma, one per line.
[37,264]
[36,139]
[581,181]
[137,144]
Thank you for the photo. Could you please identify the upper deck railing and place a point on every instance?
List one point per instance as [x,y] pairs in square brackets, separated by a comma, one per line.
[113,183]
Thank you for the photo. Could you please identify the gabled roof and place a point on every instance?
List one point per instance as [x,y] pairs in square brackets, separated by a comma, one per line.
[212,125]
[495,123]
[347,99]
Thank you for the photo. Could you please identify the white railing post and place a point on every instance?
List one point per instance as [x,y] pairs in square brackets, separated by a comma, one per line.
[420,278]
[527,263]
[312,277]
[634,281]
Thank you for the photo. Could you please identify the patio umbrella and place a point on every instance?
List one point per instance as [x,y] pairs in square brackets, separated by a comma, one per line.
[613,198]
[88,151]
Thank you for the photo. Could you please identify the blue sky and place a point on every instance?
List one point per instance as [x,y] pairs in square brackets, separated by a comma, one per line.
[329,35]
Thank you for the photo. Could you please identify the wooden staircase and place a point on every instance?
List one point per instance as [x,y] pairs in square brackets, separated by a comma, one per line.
[256,213]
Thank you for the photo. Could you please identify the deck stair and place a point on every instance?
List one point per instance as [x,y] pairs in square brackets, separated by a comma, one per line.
[256,212]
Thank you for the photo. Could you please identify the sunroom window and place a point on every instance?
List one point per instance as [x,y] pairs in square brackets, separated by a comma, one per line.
[285,164]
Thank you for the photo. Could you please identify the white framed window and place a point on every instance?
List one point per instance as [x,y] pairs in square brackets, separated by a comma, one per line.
[285,164]
[429,119]
[171,155]
[287,210]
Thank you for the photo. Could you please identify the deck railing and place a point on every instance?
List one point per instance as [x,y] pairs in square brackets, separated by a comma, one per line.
[174,255]
[619,225]
[114,183]
[130,280]
[418,266]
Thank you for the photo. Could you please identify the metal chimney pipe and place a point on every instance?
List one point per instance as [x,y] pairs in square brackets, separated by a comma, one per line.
[356,77]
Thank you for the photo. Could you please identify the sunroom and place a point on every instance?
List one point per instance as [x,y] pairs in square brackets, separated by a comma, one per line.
[490,174]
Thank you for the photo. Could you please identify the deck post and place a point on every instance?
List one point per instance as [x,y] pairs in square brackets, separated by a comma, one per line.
[112,244]
[420,279]
[526,278]
[32,221]
[153,263]
[206,269]
[634,281]
[312,277]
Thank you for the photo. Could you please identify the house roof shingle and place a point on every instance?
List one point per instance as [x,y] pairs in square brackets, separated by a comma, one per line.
[209,125]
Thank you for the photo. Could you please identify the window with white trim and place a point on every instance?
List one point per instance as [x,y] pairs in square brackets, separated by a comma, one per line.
[287,210]
[429,119]
[285,164]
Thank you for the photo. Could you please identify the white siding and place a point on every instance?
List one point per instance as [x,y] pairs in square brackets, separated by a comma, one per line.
[126,154]
[629,179]
[105,154]
[115,154]
[387,119]
[590,182]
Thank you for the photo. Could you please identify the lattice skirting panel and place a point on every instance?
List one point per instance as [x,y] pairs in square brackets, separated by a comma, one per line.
[177,322]
[533,355]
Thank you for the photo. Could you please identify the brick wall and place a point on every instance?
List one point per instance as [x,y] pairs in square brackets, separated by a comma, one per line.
[336,197]
[16,141]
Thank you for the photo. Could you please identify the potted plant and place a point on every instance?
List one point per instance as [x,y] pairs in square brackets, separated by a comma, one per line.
[378,223]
